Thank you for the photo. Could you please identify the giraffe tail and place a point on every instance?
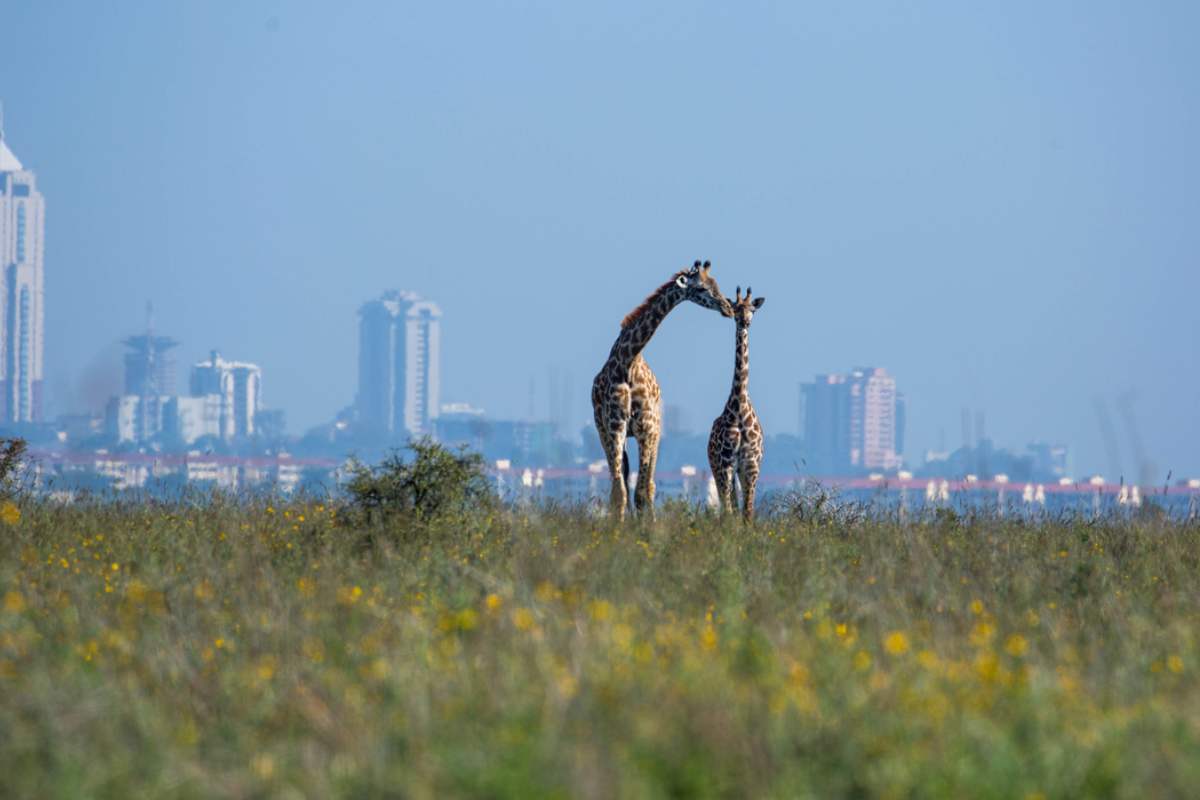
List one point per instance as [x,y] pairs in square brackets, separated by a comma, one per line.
[625,472]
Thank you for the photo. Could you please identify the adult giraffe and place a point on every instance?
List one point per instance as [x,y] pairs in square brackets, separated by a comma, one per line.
[625,394]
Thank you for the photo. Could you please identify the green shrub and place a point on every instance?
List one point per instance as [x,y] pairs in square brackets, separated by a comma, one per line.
[436,481]
[12,457]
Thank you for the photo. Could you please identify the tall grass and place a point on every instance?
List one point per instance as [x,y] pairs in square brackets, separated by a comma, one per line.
[241,649]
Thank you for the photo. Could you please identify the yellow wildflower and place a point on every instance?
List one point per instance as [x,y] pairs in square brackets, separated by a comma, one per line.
[493,602]
[466,619]
[896,643]
[263,766]
[10,513]
[982,634]
[600,610]
[266,668]
[622,635]
[14,602]
[523,619]
[1016,645]
[1175,664]
[348,595]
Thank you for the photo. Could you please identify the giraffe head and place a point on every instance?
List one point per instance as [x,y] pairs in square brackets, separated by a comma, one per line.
[744,307]
[701,288]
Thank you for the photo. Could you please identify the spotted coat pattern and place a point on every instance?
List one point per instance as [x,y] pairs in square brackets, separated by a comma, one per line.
[626,398]
[735,445]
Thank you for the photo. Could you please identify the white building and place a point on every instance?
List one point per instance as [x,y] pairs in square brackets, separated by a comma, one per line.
[226,397]
[872,419]
[238,387]
[137,418]
[399,364]
[22,223]
[187,419]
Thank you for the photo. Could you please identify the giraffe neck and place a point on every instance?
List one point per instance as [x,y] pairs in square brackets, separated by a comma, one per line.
[640,325]
[739,393]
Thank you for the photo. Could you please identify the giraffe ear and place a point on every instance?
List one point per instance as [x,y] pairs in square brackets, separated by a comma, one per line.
[681,281]
[758,302]
[707,266]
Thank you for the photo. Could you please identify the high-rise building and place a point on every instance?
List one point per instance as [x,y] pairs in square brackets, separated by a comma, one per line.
[138,414]
[150,364]
[826,412]
[22,223]
[399,364]
[852,422]
[239,387]
[872,419]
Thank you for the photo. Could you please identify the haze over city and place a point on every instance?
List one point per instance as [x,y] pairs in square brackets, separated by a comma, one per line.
[997,204]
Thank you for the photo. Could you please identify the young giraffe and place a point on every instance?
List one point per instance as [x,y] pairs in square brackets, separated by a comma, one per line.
[625,394]
[735,445]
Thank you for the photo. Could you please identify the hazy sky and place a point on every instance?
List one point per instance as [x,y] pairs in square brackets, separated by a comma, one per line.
[1000,203]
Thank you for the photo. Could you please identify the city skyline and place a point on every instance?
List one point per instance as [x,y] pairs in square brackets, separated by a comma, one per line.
[1014,239]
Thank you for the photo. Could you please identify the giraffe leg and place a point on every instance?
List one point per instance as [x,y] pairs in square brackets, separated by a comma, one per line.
[614,421]
[748,476]
[647,461]
[615,452]
[723,476]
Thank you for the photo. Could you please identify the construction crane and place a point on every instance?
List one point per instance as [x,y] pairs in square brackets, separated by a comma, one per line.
[1111,448]
[1145,467]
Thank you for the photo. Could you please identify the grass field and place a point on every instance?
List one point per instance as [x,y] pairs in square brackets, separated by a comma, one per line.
[245,649]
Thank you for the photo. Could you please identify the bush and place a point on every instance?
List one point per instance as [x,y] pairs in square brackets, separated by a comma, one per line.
[12,458]
[435,482]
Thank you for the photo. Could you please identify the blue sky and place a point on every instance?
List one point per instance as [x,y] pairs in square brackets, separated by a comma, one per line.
[996,202]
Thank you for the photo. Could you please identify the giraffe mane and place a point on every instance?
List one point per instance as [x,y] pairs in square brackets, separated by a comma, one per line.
[633,316]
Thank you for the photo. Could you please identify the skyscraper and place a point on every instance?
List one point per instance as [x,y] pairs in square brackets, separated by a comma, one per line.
[872,419]
[852,422]
[399,364]
[826,415]
[150,364]
[22,223]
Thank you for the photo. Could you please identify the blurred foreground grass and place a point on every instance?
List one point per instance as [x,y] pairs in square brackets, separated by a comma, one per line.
[236,650]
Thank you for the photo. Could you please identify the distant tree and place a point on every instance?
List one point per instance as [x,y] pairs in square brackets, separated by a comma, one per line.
[434,482]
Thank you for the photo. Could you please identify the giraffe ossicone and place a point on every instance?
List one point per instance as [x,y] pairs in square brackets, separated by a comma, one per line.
[626,399]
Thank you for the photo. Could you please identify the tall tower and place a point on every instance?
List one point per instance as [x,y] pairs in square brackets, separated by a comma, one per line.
[422,373]
[149,381]
[873,419]
[150,364]
[22,221]
[399,364]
